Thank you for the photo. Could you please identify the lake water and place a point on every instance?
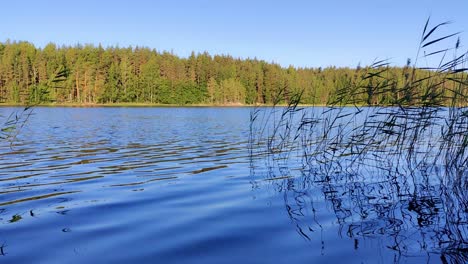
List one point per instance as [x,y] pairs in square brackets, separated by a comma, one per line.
[180,185]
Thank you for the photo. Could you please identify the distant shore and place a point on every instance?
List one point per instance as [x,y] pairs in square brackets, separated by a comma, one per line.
[148,105]
[233,105]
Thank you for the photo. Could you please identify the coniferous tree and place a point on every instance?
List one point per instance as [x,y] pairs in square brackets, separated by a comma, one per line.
[142,75]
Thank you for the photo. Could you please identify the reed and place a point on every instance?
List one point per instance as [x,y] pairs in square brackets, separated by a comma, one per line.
[390,157]
[16,120]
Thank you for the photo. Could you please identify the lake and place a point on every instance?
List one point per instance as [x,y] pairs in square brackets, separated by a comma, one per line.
[184,185]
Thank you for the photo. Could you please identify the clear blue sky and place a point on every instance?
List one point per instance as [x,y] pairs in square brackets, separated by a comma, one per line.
[300,33]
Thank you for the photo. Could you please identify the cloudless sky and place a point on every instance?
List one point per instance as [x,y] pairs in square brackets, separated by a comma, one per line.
[294,32]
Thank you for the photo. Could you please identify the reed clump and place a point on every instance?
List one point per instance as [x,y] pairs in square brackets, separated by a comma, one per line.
[389,156]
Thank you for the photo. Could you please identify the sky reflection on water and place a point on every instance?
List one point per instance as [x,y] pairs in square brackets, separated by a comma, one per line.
[179,185]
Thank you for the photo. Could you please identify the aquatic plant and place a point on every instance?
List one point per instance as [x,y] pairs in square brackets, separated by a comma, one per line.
[15,121]
[389,156]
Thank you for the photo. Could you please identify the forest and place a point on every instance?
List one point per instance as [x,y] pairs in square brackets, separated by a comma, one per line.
[96,75]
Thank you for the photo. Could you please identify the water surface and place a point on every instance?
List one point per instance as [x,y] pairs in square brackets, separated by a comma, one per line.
[180,185]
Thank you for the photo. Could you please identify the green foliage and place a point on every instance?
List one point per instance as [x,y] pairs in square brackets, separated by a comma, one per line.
[231,91]
[142,75]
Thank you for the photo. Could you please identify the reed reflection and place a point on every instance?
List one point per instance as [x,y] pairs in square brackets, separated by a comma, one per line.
[395,173]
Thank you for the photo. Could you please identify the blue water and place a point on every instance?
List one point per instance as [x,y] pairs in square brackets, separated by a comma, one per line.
[180,185]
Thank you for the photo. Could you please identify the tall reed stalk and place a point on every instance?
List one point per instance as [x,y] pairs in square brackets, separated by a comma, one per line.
[16,120]
[388,167]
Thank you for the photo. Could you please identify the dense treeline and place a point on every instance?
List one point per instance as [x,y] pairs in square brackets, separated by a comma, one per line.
[143,75]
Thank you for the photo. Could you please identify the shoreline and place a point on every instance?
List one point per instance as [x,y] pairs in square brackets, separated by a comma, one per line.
[86,105]
[149,105]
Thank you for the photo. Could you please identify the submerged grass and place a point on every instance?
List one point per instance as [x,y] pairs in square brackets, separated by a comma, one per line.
[390,157]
